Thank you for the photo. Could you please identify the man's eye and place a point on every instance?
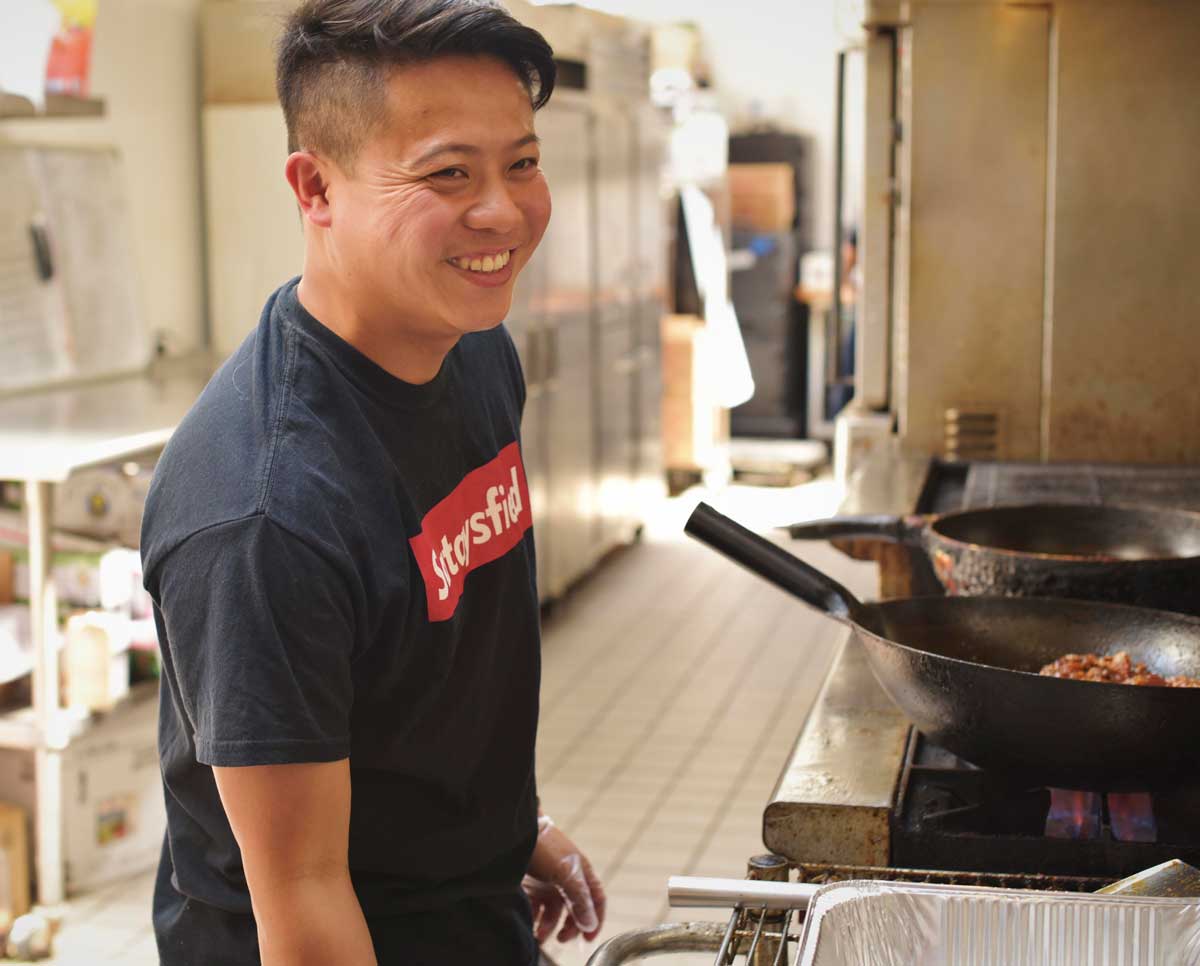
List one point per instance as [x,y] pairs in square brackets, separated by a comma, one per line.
[525,164]
[449,173]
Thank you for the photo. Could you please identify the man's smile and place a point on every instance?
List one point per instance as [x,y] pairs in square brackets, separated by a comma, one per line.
[483,261]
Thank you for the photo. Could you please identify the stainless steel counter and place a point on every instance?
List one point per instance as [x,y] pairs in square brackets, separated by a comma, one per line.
[851,749]
[888,482]
[45,436]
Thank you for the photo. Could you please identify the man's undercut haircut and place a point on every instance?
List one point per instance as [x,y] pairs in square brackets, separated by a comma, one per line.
[334,57]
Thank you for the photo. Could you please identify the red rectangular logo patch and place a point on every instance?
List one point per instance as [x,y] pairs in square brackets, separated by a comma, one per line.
[482,519]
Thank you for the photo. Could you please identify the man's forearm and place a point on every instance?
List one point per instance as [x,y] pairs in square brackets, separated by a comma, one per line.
[311,921]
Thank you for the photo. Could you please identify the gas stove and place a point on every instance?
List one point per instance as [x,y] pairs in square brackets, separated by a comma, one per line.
[865,795]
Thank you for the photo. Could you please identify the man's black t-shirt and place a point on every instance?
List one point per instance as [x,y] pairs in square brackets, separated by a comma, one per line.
[342,566]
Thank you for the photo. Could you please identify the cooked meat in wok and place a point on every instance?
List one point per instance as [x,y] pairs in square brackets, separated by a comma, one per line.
[1116,668]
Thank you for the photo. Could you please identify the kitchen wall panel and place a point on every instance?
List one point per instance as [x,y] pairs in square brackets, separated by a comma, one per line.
[975,210]
[1125,321]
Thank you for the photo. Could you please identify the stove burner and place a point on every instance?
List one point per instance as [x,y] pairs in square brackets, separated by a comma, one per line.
[1074,814]
[1081,815]
[951,815]
[1131,816]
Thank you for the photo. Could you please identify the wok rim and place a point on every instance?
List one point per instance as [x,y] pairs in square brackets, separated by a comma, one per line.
[1096,560]
[1037,602]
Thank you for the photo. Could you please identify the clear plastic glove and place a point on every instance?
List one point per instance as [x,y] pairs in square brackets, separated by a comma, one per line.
[561,879]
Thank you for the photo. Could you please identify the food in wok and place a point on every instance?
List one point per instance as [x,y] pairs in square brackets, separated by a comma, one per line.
[1116,668]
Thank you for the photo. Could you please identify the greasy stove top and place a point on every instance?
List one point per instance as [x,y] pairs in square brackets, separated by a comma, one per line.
[963,486]
[951,815]
[859,791]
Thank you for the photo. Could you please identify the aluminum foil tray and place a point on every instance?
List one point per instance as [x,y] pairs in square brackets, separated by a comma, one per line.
[916,924]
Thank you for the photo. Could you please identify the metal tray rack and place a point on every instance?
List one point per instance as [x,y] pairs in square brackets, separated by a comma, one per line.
[764,926]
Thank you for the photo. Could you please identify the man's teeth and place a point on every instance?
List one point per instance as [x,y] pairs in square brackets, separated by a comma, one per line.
[489,263]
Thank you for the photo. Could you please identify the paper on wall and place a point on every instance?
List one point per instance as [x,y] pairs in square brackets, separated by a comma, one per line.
[29,29]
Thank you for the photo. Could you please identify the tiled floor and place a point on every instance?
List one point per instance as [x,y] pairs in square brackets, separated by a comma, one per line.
[674,684]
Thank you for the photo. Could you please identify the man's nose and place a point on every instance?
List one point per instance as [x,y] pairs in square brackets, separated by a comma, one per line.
[495,209]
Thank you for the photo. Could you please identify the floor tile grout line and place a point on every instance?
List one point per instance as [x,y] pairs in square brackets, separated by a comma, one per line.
[599,655]
[655,642]
[787,693]
[667,631]
[685,760]
[712,641]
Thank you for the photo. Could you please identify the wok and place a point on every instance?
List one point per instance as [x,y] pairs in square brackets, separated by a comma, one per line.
[1148,556]
[964,670]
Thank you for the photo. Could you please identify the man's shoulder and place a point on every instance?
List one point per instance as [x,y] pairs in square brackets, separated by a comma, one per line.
[496,341]
[492,355]
[216,466]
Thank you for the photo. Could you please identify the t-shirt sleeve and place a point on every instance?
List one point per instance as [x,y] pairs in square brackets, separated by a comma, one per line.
[259,639]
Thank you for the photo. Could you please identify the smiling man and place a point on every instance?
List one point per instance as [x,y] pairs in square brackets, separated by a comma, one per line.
[338,536]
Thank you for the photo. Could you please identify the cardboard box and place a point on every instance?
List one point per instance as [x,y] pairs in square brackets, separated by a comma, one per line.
[693,427]
[14,863]
[6,577]
[112,810]
[113,813]
[763,197]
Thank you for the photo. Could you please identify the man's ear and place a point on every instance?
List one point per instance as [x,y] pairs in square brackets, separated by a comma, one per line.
[307,174]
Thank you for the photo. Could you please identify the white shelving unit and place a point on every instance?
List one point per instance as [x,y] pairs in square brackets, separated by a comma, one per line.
[45,436]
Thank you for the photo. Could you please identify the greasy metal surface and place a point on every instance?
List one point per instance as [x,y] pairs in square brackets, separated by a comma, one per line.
[771,868]
[974,106]
[1172,879]
[1144,556]
[819,873]
[1100,534]
[683,937]
[834,797]
[1124,347]
[1148,556]
[889,481]
[997,484]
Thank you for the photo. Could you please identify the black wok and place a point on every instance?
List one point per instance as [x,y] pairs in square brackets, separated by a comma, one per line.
[1148,556]
[964,670]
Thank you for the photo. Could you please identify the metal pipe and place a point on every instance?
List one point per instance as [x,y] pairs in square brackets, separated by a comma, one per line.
[683,937]
[756,939]
[43,622]
[781,954]
[698,892]
[727,951]
[839,191]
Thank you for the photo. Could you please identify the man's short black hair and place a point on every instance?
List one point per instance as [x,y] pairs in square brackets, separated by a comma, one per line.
[334,57]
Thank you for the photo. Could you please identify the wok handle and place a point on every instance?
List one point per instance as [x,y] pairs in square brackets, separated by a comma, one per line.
[893,529]
[760,556]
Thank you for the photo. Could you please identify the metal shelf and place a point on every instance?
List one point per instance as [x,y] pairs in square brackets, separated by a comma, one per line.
[19,729]
[45,436]
[57,106]
[48,434]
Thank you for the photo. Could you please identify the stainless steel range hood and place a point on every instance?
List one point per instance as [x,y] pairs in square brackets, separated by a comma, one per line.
[1032,227]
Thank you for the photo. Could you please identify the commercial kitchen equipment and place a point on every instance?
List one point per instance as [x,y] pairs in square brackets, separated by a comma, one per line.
[44,438]
[863,790]
[965,671]
[1148,918]
[1029,216]
[1148,556]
